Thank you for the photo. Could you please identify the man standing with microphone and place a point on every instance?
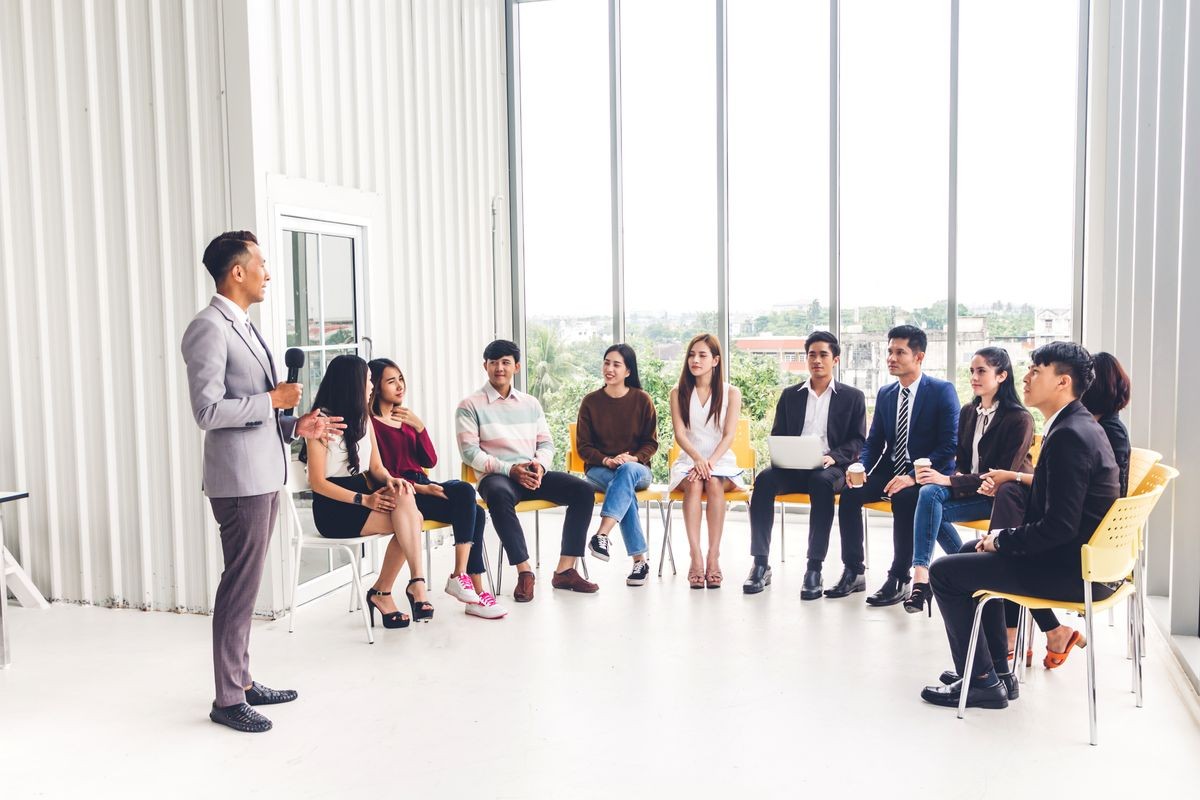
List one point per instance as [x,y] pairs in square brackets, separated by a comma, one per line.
[246,416]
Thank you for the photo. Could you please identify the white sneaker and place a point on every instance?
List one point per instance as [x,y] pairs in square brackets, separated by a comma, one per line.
[462,589]
[487,607]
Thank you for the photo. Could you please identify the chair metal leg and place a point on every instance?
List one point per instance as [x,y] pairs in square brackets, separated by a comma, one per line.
[662,555]
[782,533]
[671,545]
[969,663]
[487,570]
[499,569]
[357,570]
[1091,660]
[866,539]
[583,563]
[1028,656]
[1020,645]
[1138,645]
[299,548]
[428,558]
[357,588]
[537,539]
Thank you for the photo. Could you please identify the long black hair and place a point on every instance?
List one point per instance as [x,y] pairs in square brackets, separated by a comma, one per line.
[343,393]
[378,366]
[630,358]
[1006,394]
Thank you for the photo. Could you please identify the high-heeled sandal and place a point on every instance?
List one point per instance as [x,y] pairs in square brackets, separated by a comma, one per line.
[393,620]
[1055,660]
[920,599]
[696,578]
[713,580]
[424,612]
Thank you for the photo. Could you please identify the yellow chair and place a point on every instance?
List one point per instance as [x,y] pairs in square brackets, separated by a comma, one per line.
[746,458]
[472,477]
[1159,475]
[576,466]
[1140,462]
[1110,555]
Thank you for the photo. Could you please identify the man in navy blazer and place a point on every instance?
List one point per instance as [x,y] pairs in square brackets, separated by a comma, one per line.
[915,417]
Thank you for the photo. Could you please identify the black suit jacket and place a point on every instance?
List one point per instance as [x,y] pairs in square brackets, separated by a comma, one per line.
[1004,445]
[847,427]
[1074,484]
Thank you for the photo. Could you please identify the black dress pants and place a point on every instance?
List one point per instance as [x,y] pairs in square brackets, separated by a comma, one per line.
[904,507]
[956,578]
[465,517]
[502,493]
[820,484]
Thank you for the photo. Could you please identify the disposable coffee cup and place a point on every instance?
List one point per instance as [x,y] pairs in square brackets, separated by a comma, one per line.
[856,475]
[920,464]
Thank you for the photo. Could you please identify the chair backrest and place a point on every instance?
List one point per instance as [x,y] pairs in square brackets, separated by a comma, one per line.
[1159,475]
[743,452]
[574,460]
[1111,552]
[297,478]
[1035,448]
[1140,462]
[469,475]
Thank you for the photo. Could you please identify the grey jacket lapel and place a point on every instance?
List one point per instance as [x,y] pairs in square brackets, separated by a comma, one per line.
[268,368]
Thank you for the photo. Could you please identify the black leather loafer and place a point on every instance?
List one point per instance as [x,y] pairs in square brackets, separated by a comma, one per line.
[893,591]
[758,579]
[849,583]
[259,695]
[240,717]
[1011,684]
[812,585]
[994,696]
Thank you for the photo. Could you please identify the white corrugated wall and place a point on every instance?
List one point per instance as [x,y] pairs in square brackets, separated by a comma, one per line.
[115,170]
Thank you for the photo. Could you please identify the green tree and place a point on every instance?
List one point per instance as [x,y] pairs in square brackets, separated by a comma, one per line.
[548,364]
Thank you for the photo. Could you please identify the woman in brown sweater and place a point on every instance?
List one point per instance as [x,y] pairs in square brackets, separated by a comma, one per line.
[617,435]
[994,432]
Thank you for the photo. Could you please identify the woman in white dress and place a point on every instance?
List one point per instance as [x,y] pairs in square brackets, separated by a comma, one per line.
[704,413]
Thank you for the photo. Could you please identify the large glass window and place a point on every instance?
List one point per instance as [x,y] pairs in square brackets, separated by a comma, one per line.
[1016,177]
[566,185]
[895,133]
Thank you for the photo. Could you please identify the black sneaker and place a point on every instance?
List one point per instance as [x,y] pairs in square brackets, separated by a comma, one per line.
[641,571]
[599,546]
[240,717]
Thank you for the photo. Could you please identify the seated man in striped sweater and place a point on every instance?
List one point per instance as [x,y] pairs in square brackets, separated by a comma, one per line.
[503,436]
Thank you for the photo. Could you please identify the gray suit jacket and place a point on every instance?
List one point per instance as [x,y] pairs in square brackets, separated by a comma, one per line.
[245,440]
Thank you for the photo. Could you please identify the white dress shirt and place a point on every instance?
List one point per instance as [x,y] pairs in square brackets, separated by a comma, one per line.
[816,414]
[912,402]
[243,319]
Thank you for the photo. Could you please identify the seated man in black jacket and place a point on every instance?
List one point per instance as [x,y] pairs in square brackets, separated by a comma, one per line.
[1074,484]
[837,413]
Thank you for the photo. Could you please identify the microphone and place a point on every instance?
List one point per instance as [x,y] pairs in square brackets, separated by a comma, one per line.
[294,358]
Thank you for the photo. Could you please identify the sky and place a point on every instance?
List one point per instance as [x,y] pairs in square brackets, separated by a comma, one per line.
[1017,79]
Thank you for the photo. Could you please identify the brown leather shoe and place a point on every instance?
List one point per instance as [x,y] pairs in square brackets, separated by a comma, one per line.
[524,591]
[570,579]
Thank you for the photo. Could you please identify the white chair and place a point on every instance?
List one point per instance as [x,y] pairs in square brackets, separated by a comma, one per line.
[298,482]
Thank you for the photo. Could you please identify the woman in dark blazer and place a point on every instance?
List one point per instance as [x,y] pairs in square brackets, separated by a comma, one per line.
[994,432]
[1105,398]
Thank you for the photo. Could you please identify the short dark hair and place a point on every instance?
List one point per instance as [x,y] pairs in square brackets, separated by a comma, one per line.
[226,250]
[1109,392]
[1067,358]
[916,338]
[823,336]
[501,348]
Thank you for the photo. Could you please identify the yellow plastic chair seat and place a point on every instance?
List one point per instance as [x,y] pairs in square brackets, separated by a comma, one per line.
[796,497]
[880,505]
[984,525]
[1035,603]
[736,496]
[644,496]
[433,525]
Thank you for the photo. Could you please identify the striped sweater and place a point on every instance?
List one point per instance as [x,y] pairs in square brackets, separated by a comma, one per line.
[496,433]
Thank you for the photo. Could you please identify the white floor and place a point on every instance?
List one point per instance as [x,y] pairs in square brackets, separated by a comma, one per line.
[656,691]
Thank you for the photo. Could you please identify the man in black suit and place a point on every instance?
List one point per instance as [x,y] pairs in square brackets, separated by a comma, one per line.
[1074,484]
[838,414]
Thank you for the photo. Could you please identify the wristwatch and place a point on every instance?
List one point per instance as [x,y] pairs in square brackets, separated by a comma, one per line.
[358,498]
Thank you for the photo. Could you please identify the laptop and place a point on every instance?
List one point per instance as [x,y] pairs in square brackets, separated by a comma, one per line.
[796,452]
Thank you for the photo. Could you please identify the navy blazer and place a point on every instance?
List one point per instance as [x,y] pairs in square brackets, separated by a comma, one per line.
[932,434]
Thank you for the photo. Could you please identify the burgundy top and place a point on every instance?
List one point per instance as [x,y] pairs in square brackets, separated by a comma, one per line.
[404,452]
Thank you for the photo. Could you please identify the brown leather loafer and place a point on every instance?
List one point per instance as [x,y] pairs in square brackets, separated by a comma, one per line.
[524,591]
[572,580]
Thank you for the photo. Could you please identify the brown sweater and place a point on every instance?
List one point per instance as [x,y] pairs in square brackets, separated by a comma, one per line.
[609,426]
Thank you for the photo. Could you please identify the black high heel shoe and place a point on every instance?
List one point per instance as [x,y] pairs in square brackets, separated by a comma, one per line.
[422,611]
[392,620]
[921,599]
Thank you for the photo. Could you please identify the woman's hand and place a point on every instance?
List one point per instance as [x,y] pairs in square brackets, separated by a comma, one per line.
[382,501]
[927,475]
[407,416]
[701,470]
[432,489]
[399,486]
[993,479]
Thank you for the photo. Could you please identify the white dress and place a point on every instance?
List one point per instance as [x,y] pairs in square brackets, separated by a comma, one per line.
[705,434]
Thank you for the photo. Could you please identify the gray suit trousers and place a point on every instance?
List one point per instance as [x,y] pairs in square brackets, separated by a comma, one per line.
[246,524]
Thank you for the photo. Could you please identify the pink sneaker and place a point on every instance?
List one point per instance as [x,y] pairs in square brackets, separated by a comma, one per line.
[462,589]
[487,607]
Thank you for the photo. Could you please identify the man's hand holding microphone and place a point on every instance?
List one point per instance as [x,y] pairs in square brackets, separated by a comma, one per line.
[314,424]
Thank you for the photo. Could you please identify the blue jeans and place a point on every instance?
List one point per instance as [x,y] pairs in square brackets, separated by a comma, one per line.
[620,501]
[935,511]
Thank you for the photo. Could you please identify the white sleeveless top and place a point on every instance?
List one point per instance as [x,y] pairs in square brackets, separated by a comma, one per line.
[705,434]
[337,460]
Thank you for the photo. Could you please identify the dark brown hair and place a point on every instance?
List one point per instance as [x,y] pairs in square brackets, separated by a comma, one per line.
[377,367]
[1109,392]
[687,383]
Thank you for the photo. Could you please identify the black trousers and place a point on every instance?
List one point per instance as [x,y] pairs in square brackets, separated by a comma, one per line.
[502,493]
[956,578]
[466,518]
[1008,511]
[820,484]
[904,507]
[1045,618]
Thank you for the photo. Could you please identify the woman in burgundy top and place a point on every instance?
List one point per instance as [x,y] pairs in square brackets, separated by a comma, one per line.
[407,451]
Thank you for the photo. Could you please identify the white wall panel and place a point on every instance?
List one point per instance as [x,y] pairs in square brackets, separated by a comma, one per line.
[120,156]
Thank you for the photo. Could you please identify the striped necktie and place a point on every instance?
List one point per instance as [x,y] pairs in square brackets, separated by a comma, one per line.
[900,456]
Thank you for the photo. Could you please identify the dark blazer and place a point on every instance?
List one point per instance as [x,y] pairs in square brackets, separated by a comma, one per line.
[1118,437]
[847,426]
[932,434]
[1074,484]
[1004,445]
